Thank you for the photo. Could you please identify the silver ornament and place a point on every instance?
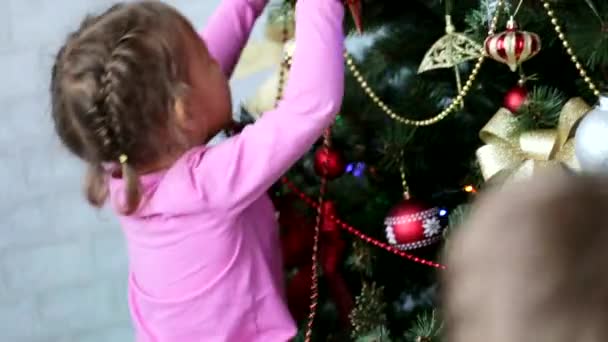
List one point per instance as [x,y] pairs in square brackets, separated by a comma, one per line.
[591,140]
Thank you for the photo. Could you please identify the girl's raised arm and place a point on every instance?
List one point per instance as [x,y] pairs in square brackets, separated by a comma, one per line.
[228,30]
[235,173]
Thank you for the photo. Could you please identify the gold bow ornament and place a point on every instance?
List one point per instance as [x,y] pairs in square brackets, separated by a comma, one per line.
[265,54]
[509,154]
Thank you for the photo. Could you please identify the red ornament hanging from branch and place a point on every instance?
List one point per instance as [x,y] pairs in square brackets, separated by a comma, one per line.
[412,224]
[515,98]
[513,46]
[329,163]
[331,252]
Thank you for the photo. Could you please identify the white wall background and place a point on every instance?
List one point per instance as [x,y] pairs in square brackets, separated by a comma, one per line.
[62,264]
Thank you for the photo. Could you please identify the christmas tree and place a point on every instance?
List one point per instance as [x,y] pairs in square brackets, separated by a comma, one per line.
[436,106]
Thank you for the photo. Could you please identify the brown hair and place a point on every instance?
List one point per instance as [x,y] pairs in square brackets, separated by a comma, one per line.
[530,264]
[114,85]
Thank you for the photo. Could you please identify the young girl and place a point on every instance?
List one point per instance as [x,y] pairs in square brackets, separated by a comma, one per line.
[530,265]
[136,94]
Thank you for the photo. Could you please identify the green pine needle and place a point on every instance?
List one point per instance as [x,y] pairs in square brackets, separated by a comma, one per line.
[542,109]
[428,328]
[361,259]
[369,312]
[380,334]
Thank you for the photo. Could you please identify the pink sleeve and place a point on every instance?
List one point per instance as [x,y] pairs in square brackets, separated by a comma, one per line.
[235,173]
[228,30]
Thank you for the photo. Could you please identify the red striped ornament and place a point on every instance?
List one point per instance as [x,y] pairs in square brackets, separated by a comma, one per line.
[512,47]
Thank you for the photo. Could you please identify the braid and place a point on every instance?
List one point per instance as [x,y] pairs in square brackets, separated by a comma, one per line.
[112,106]
[103,136]
[114,84]
[99,119]
[117,69]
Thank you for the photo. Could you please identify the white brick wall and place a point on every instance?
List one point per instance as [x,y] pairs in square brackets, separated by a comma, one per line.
[62,264]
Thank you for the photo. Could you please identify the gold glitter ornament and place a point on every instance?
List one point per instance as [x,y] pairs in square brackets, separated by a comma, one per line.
[266,95]
[263,55]
[449,51]
[457,101]
[509,154]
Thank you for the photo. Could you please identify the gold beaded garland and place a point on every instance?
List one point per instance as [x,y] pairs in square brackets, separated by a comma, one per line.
[468,84]
[443,114]
[472,77]
[558,29]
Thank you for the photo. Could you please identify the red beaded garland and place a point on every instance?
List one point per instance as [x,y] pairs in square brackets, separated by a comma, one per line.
[352,230]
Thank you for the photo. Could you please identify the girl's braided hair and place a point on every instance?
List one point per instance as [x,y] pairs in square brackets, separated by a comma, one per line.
[114,85]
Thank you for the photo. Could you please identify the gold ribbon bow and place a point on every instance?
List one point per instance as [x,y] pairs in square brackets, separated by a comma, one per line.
[264,55]
[514,155]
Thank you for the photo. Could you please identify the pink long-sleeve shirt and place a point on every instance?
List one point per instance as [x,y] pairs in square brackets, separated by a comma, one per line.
[204,253]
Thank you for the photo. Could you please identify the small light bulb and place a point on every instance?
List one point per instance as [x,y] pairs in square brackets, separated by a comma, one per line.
[470,189]
[443,212]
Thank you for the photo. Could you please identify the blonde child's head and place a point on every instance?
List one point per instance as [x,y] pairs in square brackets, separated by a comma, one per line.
[136,86]
[530,264]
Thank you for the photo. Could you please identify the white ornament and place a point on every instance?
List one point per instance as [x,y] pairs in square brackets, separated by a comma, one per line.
[591,140]
[390,235]
[431,226]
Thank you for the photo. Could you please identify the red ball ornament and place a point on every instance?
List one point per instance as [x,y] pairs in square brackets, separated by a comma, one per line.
[412,224]
[512,47]
[515,98]
[329,163]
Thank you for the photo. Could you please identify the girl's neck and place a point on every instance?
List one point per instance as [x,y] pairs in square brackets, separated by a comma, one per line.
[161,164]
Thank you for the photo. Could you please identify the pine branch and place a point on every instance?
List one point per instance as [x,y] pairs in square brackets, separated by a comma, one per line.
[369,315]
[427,329]
[361,259]
[586,30]
[380,334]
[542,108]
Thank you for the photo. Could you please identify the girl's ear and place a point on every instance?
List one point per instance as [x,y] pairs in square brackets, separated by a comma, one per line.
[181,114]
[190,127]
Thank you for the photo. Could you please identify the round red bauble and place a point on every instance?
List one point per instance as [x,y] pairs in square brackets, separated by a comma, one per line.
[328,163]
[515,98]
[412,224]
